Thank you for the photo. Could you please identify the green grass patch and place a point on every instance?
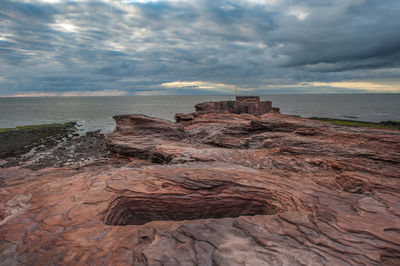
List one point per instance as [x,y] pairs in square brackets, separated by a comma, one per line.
[6,129]
[66,126]
[19,140]
[352,123]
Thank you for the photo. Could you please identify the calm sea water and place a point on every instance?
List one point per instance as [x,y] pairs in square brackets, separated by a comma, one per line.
[94,113]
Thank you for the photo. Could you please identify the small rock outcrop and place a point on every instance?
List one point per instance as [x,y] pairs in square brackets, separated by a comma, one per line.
[146,138]
[217,188]
[242,105]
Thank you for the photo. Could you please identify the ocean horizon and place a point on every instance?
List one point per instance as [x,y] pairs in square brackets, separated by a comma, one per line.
[95,112]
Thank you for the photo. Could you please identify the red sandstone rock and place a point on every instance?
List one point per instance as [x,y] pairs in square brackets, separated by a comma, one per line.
[220,189]
[242,104]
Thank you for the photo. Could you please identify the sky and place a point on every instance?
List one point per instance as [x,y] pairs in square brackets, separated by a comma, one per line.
[208,47]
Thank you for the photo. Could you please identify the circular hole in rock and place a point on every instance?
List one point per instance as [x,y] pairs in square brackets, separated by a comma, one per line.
[138,211]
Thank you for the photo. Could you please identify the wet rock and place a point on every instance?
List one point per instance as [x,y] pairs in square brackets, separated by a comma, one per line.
[75,150]
[20,140]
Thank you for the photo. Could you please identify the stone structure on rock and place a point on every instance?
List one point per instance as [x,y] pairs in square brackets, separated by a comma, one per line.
[214,189]
[243,104]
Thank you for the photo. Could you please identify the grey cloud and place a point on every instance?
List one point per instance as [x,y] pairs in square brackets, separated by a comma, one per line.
[344,33]
[229,42]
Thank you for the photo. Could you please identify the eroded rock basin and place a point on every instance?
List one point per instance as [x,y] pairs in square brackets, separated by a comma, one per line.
[193,206]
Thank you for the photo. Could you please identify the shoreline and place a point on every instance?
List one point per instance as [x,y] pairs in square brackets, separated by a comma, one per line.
[50,145]
[88,111]
[357,123]
[60,144]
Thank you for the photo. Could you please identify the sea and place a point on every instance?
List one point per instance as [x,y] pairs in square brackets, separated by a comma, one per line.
[95,113]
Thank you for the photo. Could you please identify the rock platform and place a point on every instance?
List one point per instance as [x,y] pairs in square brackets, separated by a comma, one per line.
[215,189]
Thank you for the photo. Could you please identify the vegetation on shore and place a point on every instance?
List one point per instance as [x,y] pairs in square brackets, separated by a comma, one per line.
[64,126]
[19,140]
[354,123]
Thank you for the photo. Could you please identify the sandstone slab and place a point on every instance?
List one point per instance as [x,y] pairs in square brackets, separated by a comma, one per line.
[218,189]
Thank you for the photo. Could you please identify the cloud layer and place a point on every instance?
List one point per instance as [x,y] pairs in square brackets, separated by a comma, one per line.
[201,47]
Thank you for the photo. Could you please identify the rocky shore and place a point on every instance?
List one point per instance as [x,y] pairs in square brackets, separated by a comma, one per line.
[217,188]
[50,145]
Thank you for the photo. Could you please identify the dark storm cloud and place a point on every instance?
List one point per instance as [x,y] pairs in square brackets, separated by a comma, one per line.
[356,34]
[140,45]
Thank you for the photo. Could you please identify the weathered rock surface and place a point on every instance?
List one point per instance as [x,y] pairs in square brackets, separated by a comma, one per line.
[218,189]
[242,104]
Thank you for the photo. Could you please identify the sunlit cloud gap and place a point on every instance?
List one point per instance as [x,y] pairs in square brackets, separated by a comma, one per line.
[203,85]
[72,94]
[356,85]
[227,88]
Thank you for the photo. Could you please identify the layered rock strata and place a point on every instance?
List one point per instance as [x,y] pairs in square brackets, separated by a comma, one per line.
[242,105]
[217,189]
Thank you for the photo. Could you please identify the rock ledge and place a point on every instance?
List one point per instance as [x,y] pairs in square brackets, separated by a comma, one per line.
[214,189]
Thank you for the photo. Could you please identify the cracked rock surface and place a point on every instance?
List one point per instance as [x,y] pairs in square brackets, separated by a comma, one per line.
[218,189]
